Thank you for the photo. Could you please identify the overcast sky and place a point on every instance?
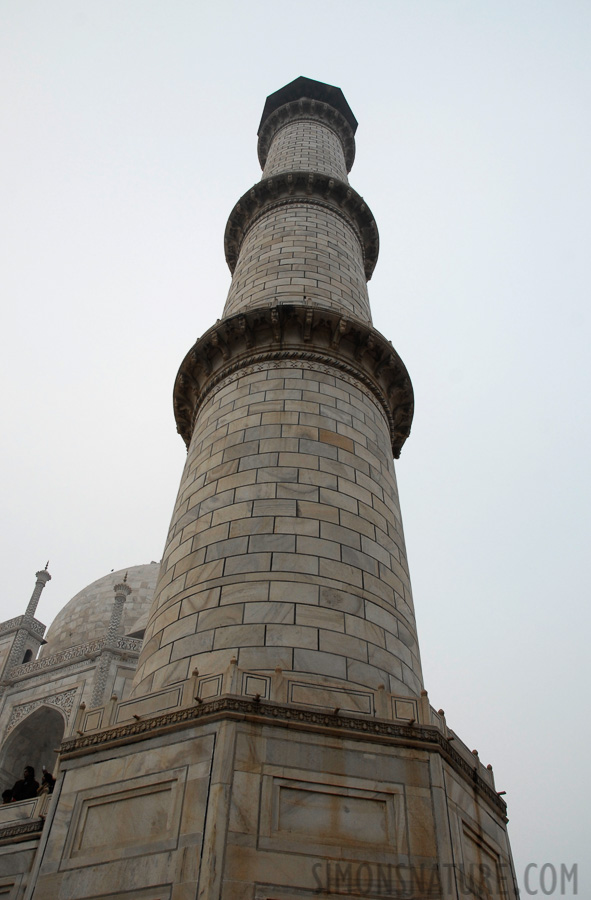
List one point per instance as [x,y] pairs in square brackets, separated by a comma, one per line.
[128,134]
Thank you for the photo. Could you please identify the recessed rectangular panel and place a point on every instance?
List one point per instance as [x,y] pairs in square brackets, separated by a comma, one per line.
[125,819]
[161,892]
[305,816]
[404,709]
[209,687]
[94,719]
[332,816]
[331,699]
[106,820]
[11,813]
[480,872]
[255,684]
[149,706]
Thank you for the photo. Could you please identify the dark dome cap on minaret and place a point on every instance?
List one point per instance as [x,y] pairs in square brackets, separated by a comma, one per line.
[315,90]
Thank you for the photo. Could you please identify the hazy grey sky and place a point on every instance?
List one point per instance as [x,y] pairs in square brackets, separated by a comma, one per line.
[129,132]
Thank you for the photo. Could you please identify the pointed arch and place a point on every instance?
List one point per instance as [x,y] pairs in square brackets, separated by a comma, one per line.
[32,743]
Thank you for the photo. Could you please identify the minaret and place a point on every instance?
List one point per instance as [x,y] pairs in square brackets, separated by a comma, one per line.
[278,741]
[286,547]
[121,591]
[28,631]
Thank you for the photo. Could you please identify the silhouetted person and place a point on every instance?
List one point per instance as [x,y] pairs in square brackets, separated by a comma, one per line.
[6,796]
[27,787]
[47,784]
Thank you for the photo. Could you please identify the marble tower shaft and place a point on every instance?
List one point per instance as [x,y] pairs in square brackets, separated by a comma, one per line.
[286,549]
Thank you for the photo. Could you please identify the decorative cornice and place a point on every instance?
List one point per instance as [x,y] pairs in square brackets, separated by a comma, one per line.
[420,736]
[296,332]
[9,832]
[310,187]
[305,108]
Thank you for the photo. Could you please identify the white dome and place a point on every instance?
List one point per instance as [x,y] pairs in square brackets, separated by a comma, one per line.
[86,616]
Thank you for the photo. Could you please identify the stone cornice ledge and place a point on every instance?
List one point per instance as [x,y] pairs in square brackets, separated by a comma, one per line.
[298,332]
[16,832]
[305,108]
[425,737]
[310,187]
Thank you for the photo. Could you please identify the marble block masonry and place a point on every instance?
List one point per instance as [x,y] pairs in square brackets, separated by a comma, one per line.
[277,742]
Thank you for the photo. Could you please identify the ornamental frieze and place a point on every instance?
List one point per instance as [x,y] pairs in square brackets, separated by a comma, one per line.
[296,332]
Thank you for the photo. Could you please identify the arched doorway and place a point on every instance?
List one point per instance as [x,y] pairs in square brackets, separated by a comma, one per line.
[32,743]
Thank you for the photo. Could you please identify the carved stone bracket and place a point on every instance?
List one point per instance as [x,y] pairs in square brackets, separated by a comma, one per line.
[301,332]
[311,187]
[306,108]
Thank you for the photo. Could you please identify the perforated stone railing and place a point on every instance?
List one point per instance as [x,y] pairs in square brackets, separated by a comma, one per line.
[74,654]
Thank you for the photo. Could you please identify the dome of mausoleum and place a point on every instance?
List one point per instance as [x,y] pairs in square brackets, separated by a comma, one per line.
[86,616]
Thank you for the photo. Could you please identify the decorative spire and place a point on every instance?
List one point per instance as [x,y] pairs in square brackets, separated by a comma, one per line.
[42,577]
[122,591]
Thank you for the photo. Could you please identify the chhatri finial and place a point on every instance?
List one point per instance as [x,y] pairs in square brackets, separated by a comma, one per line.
[47,565]
[125,579]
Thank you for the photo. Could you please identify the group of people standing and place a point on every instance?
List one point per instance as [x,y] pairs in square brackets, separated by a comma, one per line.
[27,787]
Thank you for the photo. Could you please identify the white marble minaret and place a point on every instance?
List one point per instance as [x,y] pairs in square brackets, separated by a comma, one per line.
[286,546]
[278,743]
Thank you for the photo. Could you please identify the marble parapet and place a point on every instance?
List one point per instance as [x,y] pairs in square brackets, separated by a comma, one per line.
[124,646]
[251,696]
